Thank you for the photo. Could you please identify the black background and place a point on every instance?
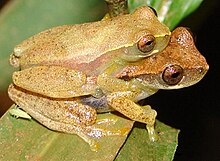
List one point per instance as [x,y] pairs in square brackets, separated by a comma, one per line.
[195,110]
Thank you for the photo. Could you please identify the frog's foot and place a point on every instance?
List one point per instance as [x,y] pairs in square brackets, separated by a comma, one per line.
[151,132]
[107,127]
[93,143]
[102,128]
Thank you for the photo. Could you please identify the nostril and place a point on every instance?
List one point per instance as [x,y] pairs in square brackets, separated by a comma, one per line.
[201,70]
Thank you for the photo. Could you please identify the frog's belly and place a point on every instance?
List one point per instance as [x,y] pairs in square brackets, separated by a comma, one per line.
[99,104]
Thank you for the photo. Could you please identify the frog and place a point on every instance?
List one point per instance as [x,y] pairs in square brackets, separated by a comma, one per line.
[179,65]
[57,73]
[73,56]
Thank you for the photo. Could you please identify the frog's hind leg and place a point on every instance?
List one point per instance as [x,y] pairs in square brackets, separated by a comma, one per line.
[62,115]
[54,81]
[56,114]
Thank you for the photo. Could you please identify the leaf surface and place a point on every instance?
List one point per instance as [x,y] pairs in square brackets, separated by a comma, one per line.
[139,147]
[22,139]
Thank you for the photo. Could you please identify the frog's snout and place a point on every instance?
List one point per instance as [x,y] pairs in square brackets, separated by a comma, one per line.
[203,71]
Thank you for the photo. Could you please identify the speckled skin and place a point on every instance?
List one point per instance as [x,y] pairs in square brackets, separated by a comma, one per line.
[180,51]
[122,84]
[77,46]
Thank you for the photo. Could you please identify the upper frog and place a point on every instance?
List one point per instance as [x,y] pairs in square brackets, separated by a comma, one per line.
[131,36]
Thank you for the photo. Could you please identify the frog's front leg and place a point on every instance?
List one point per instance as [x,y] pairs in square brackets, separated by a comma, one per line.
[120,101]
[122,95]
[64,115]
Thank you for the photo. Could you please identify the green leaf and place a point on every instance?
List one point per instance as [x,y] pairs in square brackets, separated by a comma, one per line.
[170,12]
[139,147]
[22,139]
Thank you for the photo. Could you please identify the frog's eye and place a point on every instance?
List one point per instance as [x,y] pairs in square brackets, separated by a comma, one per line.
[146,43]
[155,12]
[172,74]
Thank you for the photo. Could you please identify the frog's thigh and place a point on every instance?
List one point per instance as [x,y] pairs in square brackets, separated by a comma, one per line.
[60,110]
[130,109]
[53,81]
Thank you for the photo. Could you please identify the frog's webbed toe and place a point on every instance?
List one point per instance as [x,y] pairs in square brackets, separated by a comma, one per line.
[105,127]
[102,128]
[14,61]
[152,133]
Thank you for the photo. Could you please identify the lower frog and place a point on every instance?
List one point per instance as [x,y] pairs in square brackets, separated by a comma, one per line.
[179,65]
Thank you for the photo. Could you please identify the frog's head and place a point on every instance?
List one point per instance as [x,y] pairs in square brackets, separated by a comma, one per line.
[148,33]
[138,35]
[179,65]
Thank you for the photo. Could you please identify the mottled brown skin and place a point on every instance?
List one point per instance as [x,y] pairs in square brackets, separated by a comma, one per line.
[137,80]
[181,51]
[61,65]
[78,46]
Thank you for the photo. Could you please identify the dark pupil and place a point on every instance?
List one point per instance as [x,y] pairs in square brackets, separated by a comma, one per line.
[175,75]
[149,43]
[146,43]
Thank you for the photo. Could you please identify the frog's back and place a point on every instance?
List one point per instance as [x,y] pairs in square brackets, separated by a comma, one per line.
[83,43]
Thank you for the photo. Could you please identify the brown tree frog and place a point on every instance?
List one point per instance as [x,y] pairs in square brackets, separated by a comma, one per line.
[64,66]
[179,65]
[60,65]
